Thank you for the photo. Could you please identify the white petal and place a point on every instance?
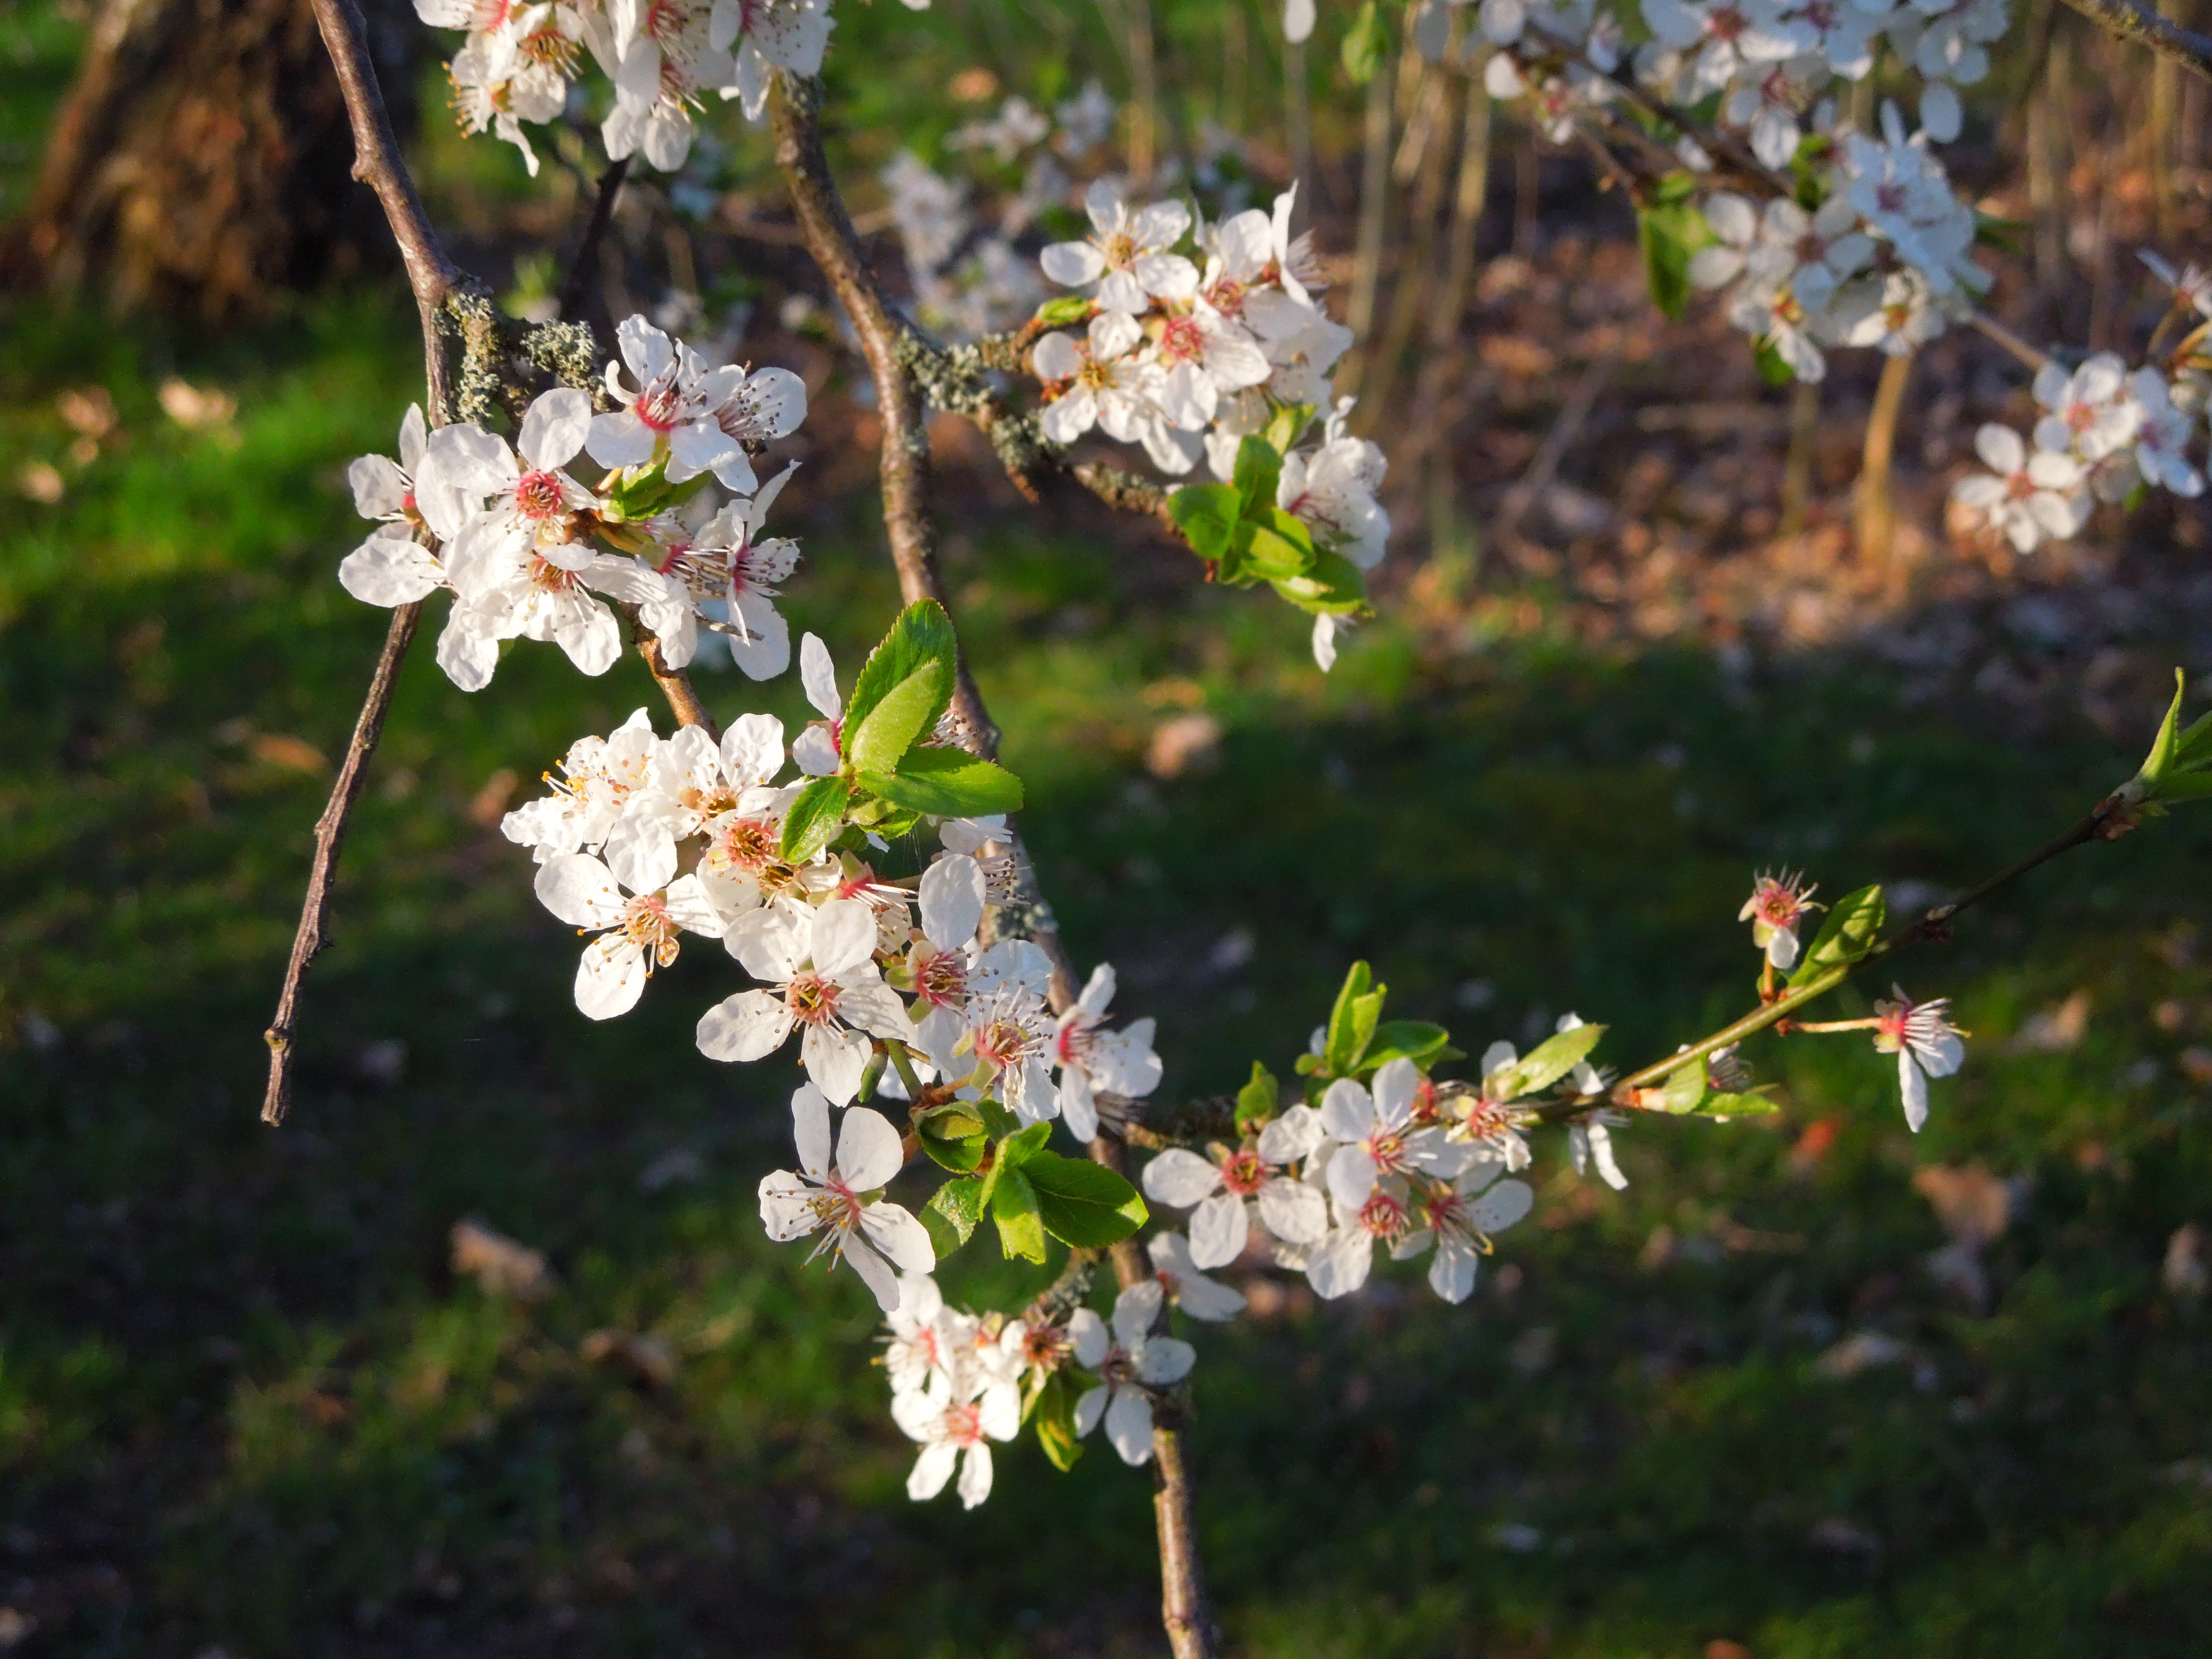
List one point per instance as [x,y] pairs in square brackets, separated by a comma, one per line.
[836,1060]
[745,1026]
[1294,1211]
[976,1476]
[931,1470]
[579,890]
[1129,1426]
[868,1153]
[844,936]
[1165,1360]
[1292,1135]
[611,978]
[952,901]
[1341,1264]
[1136,1309]
[1345,1110]
[818,678]
[874,1272]
[1093,1405]
[1179,1178]
[1396,1085]
[810,1130]
[1217,1230]
[1086,1331]
[753,749]
[899,1236]
[1914,1086]
[554,428]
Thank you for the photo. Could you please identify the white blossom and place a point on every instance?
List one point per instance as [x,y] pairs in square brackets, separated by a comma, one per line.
[1926,1044]
[821,961]
[637,930]
[1130,1362]
[842,1200]
[1128,254]
[1458,1220]
[1186,1286]
[1216,1190]
[2028,497]
[1091,1058]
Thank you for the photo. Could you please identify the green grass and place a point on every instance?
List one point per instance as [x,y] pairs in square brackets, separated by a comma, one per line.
[243,1403]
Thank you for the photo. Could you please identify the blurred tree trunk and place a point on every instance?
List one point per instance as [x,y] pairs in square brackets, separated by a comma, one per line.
[201,160]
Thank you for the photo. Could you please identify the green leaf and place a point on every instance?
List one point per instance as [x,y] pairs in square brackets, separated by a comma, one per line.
[1351,1021]
[1257,1100]
[815,818]
[1670,231]
[1019,1148]
[1331,583]
[1549,1061]
[1772,369]
[1067,309]
[953,1136]
[1259,469]
[1054,1414]
[923,634]
[1207,514]
[2167,745]
[1287,425]
[1014,1208]
[1416,1040]
[905,712]
[952,1214]
[1363,46]
[1683,1090]
[1266,555]
[1727,1106]
[1082,1203]
[1849,933]
[946,783]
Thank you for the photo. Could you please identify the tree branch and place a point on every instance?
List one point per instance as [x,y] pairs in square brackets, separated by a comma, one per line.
[577,285]
[795,108]
[330,832]
[2146,28]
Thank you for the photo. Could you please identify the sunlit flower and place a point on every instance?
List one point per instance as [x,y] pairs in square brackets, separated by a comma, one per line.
[842,1200]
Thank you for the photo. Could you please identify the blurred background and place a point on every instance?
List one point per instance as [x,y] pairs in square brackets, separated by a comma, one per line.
[1810,1386]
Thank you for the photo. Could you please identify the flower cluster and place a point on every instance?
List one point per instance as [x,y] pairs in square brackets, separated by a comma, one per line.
[2105,434]
[663,56]
[529,550]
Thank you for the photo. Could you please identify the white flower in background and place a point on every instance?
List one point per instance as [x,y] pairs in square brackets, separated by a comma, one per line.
[2093,411]
[1100,382]
[2191,284]
[1767,308]
[530,498]
[1091,1058]
[1950,53]
[679,407]
[1815,252]
[1727,40]
[2029,498]
[1018,126]
[1129,253]
[1767,104]
[1590,1144]
[1086,120]
[667,62]
[821,961]
[1302,341]
[818,749]
[1292,1210]
[1332,489]
[1377,1135]
[1458,1220]
[1326,628]
[928,1340]
[1204,356]
[1130,1362]
[842,1200]
[768,35]
[599,776]
[1251,249]
[956,1423]
[1895,311]
[1926,1044]
[1776,906]
[1901,192]
[1186,1286]
[516,71]
[1734,222]
[638,929]
[2160,455]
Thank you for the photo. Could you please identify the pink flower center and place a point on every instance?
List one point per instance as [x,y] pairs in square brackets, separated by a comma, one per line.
[658,404]
[1001,1042]
[646,924]
[1726,23]
[551,579]
[1388,1148]
[943,979]
[538,495]
[1243,1174]
[812,999]
[1382,1215]
[1890,196]
[1181,341]
[964,1425]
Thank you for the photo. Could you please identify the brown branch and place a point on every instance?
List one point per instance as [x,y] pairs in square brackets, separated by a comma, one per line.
[795,108]
[576,287]
[2146,28]
[674,684]
[330,831]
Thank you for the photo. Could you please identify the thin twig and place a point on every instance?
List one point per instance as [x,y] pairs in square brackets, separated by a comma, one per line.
[330,831]
[2130,21]
[576,287]
[674,684]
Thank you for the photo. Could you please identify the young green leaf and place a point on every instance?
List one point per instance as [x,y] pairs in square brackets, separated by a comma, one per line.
[952,1214]
[1727,1106]
[1331,584]
[1346,1040]
[1069,308]
[1287,425]
[1081,1203]
[1268,555]
[1257,1100]
[1683,1090]
[1550,1061]
[921,635]
[1849,933]
[946,783]
[1773,367]
[1365,44]
[904,714]
[1259,469]
[815,818]
[1207,514]
[1670,233]
[1053,1412]
[953,1136]
[1416,1040]
[1019,1148]
[1014,1208]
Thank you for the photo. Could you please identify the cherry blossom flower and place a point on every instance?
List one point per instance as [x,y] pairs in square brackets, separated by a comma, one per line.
[842,1200]
[769,35]
[1590,1144]
[1010,1036]
[681,412]
[1340,1263]
[1901,192]
[1091,1058]
[1777,905]
[638,929]
[818,749]
[599,776]
[821,961]
[1727,39]
[509,589]
[2029,498]
[531,498]
[947,967]
[666,60]
[1220,1186]
[1458,1219]
[1186,1286]
[1251,249]
[2191,284]
[1128,254]
[1485,1118]
[2093,411]
[1204,356]
[2158,456]
[405,496]
[1375,1135]
[692,780]
[727,564]
[954,1425]
[1099,383]
[1332,489]
[1130,1363]
[1926,1044]
[927,1338]
[514,69]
